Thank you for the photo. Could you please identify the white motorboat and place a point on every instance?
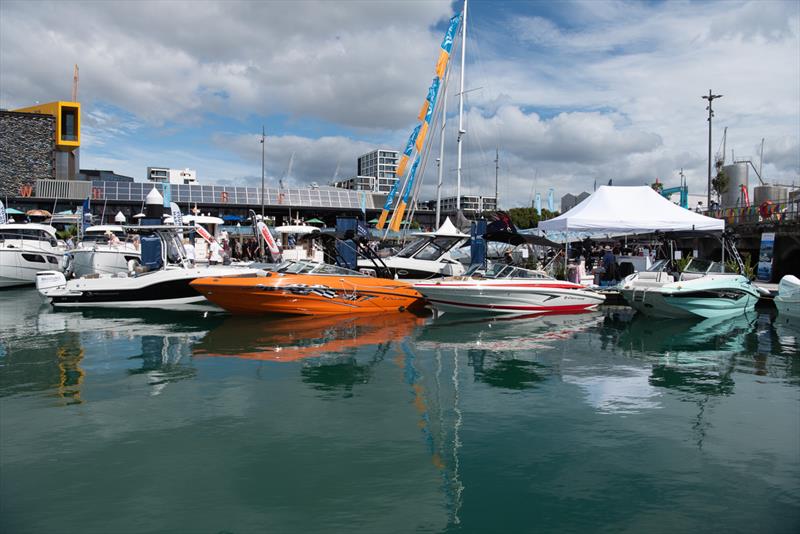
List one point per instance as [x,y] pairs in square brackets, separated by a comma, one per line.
[429,256]
[505,289]
[788,299]
[704,290]
[296,245]
[104,249]
[26,249]
[161,281]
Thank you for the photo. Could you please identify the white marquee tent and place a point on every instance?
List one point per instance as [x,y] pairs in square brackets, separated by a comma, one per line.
[615,210]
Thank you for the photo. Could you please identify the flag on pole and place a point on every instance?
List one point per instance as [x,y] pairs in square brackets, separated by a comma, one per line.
[447,45]
[167,189]
[3,216]
[401,167]
[364,203]
[550,200]
[397,217]
[433,90]
[538,203]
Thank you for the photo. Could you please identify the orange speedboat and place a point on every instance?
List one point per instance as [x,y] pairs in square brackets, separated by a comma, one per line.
[309,289]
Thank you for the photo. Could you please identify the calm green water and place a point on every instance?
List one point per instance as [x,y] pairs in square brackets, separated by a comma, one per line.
[116,422]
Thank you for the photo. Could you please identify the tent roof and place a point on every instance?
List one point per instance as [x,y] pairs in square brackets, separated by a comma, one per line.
[629,210]
[447,229]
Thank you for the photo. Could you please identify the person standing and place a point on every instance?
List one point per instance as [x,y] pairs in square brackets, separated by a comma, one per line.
[214,253]
[190,253]
[609,264]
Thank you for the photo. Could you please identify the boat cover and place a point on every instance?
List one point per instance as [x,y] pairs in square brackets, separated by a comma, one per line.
[629,210]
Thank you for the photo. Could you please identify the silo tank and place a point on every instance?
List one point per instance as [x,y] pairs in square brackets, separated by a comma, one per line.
[774,193]
[737,177]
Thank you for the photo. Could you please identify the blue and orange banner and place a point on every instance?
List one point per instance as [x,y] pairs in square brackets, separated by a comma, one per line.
[397,217]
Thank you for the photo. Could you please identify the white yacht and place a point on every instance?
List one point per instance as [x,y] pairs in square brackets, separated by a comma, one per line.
[26,249]
[104,249]
[428,256]
[161,281]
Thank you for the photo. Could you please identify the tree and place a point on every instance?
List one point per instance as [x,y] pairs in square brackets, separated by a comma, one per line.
[528,218]
[719,184]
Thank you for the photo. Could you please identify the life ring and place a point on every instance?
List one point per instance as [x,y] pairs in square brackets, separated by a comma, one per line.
[766,209]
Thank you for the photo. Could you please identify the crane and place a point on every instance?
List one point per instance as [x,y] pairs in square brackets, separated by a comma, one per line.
[75,83]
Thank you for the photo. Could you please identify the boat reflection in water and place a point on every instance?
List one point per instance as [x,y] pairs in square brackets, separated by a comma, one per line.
[43,349]
[286,339]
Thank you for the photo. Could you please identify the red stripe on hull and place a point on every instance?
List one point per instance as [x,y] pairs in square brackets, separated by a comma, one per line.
[567,309]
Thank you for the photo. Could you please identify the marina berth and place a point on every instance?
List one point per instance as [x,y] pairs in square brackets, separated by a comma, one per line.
[307,288]
[25,250]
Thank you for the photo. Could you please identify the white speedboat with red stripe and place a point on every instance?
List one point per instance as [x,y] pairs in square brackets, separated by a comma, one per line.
[505,289]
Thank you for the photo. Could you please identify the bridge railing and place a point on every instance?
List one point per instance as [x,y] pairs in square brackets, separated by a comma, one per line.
[772,212]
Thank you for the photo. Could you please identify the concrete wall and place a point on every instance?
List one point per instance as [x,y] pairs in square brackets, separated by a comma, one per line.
[27,144]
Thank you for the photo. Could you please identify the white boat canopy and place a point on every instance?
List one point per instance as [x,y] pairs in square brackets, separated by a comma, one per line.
[296,229]
[629,210]
[447,229]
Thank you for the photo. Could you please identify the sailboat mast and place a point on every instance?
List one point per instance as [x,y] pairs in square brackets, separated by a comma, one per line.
[496,175]
[441,149]
[461,131]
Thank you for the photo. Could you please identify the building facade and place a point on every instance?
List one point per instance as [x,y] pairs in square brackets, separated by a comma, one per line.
[469,204]
[367,183]
[380,163]
[66,135]
[171,176]
[27,150]
[569,201]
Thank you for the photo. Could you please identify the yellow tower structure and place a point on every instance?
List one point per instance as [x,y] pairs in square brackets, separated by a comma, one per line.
[67,134]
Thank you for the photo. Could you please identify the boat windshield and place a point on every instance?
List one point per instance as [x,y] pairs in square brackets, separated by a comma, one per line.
[410,249]
[499,270]
[658,266]
[696,265]
[101,237]
[311,267]
[436,248]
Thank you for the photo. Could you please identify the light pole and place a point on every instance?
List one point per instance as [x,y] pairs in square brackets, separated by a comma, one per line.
[262,171]
[710,97]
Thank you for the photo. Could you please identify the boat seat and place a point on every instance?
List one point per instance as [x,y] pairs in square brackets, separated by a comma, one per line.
[653,279]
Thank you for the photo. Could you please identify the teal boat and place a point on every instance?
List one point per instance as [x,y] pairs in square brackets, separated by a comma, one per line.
[703,290]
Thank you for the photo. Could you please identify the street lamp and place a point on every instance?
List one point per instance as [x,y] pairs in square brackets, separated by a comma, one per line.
[710,97]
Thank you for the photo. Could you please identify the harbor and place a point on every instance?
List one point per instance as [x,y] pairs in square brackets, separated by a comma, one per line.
[309,272]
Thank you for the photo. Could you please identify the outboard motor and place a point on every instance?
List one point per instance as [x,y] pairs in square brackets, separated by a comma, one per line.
[46,280]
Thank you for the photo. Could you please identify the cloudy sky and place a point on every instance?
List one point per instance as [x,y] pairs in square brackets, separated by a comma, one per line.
[569,92]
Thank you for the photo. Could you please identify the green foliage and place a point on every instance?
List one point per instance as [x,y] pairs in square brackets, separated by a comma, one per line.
[720,182]
[528,218]
[683,262]
[732,266]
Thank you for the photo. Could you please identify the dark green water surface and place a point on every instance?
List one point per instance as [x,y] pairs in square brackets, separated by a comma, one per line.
[144,421]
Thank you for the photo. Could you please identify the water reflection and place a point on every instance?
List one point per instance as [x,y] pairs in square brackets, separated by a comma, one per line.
[645,334]
[282,339]
[44,350]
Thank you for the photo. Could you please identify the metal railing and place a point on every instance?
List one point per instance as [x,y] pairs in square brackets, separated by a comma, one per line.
[779,212]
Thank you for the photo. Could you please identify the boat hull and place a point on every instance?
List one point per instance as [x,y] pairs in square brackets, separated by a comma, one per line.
[161,289]
[707,298]
[509,297]
[18,266]
[309,294]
